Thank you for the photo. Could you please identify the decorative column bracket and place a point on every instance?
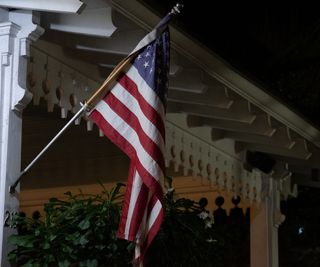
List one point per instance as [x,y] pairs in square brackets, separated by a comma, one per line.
[28,32]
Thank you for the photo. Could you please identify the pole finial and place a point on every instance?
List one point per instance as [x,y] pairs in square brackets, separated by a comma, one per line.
[176,9]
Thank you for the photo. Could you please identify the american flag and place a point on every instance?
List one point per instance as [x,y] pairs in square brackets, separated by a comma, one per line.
[132,115]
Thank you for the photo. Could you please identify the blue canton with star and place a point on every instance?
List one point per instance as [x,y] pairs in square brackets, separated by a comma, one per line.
[153,65]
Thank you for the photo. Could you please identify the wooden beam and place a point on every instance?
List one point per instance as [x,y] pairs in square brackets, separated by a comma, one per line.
[212,98]
[188,80]
[101,59]
[298,151]
[121,43]
[258,126]
[59,6]
[237,112]
[92,21]
[294,163]
[280,138]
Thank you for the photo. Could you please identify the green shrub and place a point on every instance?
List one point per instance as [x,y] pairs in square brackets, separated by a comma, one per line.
[79,231]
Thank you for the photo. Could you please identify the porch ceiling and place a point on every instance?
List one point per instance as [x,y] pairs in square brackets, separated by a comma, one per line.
[207,98]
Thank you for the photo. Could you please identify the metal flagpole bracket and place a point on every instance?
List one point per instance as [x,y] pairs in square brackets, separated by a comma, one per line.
[87,108]
[12,188]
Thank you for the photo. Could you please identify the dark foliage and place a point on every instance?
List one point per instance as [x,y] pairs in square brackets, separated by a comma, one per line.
[79,231]
[189,238]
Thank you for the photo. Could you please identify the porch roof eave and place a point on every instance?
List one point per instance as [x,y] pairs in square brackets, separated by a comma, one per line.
[217,68]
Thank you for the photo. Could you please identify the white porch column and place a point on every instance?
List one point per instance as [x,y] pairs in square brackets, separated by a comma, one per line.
[264,223]
[17,30]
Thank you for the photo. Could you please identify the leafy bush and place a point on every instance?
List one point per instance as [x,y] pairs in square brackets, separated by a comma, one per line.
[79,231]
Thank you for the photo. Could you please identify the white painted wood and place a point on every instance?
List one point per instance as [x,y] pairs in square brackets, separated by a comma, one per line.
[264,224]
[4,15]
[259,125]
[91,21]
[28,33]
[58,52]
[103,60]
[188,80]
[198,158]
[64,6]
[53,77]
[212,98]
[174,69]
[237,112]
[295,163]
[15,37]
[287,188]
[38,73]
[279,138]
[121,43]
[298,151]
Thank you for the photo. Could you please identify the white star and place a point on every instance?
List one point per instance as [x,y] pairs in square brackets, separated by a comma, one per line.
[151,70]
[139,57]
[147,54]
[146,64]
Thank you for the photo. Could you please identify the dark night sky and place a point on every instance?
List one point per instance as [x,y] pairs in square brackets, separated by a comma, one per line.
[277,46]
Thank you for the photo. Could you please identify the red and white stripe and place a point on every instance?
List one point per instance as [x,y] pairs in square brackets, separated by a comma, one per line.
[132,116]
